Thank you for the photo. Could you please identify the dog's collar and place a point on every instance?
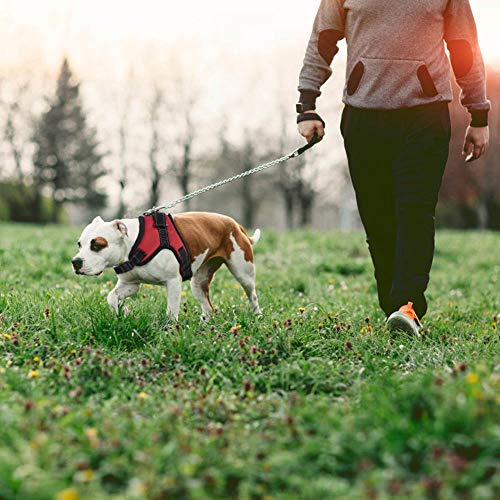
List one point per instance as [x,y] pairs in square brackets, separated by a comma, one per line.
[157,232]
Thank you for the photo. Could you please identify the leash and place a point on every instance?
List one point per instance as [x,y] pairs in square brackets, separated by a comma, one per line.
[252,171]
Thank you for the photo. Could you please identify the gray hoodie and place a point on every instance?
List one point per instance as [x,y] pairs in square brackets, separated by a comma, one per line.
[396,54]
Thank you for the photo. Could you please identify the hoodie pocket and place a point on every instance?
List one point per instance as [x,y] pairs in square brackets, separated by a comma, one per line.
[386,83]
[426,81]
[355,78]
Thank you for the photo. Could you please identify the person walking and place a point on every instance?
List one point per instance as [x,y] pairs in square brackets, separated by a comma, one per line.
[396,125]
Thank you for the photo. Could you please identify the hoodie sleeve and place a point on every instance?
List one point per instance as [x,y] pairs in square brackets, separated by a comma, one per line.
[328,29]
[466,59]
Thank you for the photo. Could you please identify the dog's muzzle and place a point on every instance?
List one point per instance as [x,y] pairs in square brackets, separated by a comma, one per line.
[77,264]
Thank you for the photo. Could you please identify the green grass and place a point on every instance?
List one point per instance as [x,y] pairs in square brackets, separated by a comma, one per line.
[315,399]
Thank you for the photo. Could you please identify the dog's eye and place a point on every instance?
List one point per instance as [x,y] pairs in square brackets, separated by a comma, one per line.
[98,244]
[79,245]
[94,246]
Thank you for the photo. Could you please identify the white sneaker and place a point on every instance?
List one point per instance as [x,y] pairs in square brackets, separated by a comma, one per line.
[404,320]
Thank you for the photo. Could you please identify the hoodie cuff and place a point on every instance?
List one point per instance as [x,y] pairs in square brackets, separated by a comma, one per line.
[479,118]
[308,98]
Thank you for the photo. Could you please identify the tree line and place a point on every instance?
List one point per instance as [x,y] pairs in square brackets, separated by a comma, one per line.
[59,162]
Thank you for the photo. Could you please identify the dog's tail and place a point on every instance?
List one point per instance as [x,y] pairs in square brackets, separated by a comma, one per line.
[256,237]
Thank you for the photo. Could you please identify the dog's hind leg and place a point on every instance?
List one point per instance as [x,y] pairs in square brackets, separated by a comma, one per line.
[200,284]
[119,293]
[242,267]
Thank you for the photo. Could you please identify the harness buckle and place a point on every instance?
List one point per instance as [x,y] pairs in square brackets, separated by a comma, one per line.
[160,220]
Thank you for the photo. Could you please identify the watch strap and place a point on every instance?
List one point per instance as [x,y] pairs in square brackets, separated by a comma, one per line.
[304,117]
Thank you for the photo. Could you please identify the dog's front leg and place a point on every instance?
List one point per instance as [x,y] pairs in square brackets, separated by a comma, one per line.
[119,293]
[174,287]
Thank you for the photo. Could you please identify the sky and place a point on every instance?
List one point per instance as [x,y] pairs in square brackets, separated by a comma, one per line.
[94,31]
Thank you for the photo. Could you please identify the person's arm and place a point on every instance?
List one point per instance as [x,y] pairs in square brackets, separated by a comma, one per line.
[467,62]
[328,29]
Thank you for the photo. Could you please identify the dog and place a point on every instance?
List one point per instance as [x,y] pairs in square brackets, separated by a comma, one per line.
[211,240]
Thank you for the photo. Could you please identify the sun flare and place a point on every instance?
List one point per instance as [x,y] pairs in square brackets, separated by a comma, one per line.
[92,31]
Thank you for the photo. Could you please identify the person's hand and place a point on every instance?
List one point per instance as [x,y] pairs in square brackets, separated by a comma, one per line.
[477,141]
[309,127]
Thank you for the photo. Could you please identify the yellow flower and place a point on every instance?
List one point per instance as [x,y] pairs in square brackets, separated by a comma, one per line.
[183,293]
[320,325]
[87,475]
[472,378]
[91,433]
[73,351]
[36,359]
[6,335]
[143,395]
[67,494]
[84,476]
[477,394]
[147,285]
[33,374]
[2,370]
[301,310]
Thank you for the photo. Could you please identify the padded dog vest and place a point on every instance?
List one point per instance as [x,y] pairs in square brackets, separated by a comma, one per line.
[157,232]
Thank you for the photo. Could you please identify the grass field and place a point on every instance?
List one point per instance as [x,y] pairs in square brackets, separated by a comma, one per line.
[315,399]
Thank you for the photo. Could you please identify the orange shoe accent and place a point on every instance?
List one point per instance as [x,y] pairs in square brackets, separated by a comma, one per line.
[410,312]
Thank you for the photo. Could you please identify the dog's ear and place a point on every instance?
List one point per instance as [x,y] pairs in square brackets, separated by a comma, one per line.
[120,226]
[97,219]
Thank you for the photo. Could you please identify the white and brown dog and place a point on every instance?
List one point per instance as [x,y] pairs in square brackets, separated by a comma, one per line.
[212,240]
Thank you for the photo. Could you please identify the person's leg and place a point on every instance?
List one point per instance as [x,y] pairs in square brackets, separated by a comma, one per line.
[417,172]
[370,154]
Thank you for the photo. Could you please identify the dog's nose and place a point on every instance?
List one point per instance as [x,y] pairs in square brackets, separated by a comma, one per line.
[77,263]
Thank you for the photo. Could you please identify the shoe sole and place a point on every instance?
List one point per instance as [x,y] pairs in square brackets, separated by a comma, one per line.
[399,322]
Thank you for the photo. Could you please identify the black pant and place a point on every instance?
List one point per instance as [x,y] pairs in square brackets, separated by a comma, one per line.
[397,160]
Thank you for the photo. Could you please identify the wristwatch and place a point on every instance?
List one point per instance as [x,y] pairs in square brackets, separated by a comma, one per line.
[302,107]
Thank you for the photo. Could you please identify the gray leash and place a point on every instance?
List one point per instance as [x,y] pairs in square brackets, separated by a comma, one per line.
[252,171]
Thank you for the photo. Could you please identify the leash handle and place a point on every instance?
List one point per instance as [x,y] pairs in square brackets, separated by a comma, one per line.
[307,146]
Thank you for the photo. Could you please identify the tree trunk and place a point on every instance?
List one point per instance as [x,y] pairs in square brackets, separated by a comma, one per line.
[121,203]
[184,176]
[306,206]
[248,202]
[56,211]
[154,190]
[288,199]
[37,205]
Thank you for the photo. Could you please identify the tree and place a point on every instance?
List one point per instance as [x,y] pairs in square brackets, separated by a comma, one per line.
[157,172]
[67,159]
[182,167]
[123,168]
[295,183]
[470,194]
[17,103]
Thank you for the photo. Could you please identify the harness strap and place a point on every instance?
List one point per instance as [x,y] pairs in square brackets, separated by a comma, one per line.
[154,230]
[134,259]
[160,222]
[180,250]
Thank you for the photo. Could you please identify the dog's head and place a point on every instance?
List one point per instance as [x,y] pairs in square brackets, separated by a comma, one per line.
[101,245]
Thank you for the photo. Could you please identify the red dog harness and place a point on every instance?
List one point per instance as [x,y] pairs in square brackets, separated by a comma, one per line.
[157,232]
